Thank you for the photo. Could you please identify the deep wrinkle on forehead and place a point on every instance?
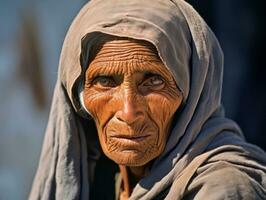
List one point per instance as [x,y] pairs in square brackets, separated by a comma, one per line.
[124,57]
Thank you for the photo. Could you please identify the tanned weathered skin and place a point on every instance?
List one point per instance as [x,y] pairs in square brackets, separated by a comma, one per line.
[132,98]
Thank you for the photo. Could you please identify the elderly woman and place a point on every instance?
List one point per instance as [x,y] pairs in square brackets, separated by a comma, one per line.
[137,111]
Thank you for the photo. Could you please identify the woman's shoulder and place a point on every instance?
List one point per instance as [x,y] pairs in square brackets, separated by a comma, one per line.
[225,180]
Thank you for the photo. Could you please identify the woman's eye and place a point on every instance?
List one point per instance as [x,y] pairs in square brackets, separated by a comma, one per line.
[154,81]
[104,81]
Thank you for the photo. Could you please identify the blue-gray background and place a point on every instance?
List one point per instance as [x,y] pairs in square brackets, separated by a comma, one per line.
[31,36]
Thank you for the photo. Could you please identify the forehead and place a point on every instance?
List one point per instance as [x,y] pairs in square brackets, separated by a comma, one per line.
[121,56]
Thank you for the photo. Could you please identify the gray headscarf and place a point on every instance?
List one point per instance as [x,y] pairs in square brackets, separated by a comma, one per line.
[205,156]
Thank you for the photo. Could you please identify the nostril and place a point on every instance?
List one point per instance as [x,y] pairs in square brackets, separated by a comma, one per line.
[129,117]
[131,108]
[119,115]
[139,114]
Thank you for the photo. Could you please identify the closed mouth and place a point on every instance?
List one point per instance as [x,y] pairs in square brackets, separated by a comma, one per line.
[130,137]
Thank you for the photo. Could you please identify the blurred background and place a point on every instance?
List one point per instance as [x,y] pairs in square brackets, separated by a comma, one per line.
[31,36]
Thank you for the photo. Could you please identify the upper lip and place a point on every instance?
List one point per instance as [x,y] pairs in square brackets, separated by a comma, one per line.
[130,137]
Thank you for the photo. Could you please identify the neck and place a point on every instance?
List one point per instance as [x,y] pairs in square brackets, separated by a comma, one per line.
[131,176]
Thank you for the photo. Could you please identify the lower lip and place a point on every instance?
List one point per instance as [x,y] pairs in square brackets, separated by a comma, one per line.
[133,139]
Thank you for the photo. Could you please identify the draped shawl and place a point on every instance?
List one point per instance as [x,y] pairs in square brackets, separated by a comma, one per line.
[205,156]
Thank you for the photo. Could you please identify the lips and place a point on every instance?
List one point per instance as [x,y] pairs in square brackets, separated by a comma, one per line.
[124,136]
[134,138]
[129,141]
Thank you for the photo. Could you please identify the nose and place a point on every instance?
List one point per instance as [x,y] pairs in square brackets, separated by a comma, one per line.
[132,109]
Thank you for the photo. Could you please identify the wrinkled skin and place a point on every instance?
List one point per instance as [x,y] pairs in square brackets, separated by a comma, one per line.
[132,98]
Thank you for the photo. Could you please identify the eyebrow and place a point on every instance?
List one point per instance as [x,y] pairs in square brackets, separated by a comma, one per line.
[116,68]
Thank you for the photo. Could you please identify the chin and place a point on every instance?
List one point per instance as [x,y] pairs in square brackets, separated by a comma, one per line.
[131,158]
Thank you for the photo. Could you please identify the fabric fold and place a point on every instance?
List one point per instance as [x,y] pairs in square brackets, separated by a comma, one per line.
[203,144]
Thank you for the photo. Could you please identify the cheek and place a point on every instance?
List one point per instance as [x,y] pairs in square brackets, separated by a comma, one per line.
[162,110]
[98,105]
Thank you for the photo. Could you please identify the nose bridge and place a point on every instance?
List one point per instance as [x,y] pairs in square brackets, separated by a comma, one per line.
[130,97]
[129,93]
[131,109]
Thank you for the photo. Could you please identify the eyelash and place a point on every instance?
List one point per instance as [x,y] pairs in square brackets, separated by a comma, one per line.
[106,78]
[152,77]
[111,82]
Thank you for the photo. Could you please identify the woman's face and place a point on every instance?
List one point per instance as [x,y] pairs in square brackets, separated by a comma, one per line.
[132,98]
